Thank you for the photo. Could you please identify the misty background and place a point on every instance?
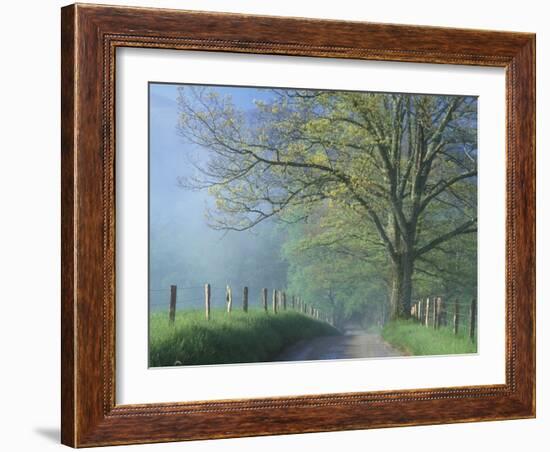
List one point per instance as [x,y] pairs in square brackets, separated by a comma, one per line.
[183,249]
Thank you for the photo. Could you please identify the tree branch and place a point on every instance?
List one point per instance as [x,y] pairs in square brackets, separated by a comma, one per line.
[444,187]
[464,228]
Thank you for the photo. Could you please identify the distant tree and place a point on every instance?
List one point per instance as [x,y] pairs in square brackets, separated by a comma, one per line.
[334,262]
[402,167]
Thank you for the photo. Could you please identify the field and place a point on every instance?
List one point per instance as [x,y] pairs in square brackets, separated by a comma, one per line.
[238,337]
[415,339]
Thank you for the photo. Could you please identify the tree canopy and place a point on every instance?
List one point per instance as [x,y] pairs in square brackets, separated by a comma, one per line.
[378,191]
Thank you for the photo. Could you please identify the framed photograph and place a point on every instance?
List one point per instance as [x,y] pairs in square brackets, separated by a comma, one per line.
[281,225]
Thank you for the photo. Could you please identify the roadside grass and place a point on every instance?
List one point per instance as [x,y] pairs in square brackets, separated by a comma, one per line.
[238,337]
[415,339]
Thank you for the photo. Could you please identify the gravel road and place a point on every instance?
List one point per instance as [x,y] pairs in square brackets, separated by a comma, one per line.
[354,343]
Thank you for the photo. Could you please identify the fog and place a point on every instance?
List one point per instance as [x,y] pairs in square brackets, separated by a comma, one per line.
[183,250]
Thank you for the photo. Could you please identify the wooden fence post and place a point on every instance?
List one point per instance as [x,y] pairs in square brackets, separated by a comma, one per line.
[427,319]
[245,299]
[442,313]
[473,318]
[228,298]
[264,299]
[173,296]
[274,300]
[456,319]
[207,294]
[434,312]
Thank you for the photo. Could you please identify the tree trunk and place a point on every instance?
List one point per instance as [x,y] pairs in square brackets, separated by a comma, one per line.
[401,291]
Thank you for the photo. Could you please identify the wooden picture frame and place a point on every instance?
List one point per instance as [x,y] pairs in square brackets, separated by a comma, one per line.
[90,36]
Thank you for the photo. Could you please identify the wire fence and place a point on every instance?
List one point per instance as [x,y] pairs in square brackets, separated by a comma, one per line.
[431,312]
[207,297]
[459,315]
[192,297]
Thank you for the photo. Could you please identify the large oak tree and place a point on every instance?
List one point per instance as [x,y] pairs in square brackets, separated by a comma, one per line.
[402,167]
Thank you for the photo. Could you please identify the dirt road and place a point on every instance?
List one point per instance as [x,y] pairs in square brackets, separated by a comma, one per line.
[354,343]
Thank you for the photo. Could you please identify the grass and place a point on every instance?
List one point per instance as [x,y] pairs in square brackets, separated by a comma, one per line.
[415,339]
[238,337]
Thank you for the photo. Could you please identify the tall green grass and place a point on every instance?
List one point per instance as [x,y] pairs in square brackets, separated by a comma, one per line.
[238,337]
[416,339]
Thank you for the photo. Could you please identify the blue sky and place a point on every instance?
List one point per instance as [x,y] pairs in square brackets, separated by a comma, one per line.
[169,153]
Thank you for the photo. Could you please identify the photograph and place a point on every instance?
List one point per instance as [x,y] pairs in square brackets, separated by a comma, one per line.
[280,221]
[290,224]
